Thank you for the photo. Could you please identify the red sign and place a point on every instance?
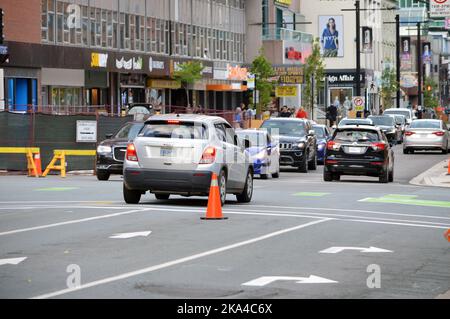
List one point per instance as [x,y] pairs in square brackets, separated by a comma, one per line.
[292,54]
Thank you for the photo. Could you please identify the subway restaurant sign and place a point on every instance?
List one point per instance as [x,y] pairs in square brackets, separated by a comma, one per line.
[284,2]
[286,91]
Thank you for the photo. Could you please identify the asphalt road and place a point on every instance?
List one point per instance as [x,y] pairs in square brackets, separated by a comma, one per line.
[64,228]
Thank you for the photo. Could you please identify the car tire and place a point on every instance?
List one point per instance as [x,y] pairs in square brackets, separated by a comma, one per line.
[391,176]
[313,164]
[103,176]
[445,151]
[384,177]
[222,180]
[162,196]
[303,168]
[327,177]
[131,196]
[336,177]
[247,193]
[405,151]
[276,175]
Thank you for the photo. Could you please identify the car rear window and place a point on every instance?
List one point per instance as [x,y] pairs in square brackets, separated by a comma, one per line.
[351,136]
[426,124]
[129,131]
[175,129]
[383,120]
[407,114]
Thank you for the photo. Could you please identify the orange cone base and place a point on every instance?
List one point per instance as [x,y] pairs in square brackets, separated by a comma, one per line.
[211,218]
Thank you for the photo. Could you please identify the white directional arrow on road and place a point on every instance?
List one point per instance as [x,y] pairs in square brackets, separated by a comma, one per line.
[12,261]
[336,250]
[131,235]
[263,281]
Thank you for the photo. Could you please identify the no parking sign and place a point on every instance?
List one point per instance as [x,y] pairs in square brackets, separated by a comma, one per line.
[359,103]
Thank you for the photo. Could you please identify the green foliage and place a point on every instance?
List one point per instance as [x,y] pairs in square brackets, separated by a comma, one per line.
[389,86]
[188,73]
[314,69]
[263,71]
[429,98]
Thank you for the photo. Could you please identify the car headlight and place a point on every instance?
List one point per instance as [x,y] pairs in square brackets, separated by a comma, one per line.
[301,145]
[104,149]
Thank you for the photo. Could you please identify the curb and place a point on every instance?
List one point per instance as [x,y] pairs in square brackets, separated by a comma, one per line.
[428,178]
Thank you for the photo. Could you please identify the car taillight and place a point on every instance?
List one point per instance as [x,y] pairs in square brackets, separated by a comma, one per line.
[209,155]
[333,146]
[409,133]
[438,133]
[131,153]
[378,146]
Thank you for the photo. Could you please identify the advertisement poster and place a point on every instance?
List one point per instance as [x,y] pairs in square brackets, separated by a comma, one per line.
[405,54]
[426,53]
[296,52]
[367,39]
[331,31]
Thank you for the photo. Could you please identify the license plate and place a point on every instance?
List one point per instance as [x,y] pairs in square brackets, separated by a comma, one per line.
[166,152]
[354,150]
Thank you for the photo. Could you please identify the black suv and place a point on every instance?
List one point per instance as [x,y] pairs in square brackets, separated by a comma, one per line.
[298,144]
[359,150]
[111,152]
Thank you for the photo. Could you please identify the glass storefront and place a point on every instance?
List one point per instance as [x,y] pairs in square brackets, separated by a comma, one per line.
[66,96]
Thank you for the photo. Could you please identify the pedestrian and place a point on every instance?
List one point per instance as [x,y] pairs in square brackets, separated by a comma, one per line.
[301,114]
[332,113]
[285,112]
[381,110]
[238,121]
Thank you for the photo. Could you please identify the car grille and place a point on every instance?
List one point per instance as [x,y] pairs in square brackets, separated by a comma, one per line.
[119,153]
[285,146]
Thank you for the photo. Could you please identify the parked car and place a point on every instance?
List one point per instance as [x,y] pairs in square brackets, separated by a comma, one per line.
[355,121]
[177,154]
[408,113]
[359,150]
[111,152]
[400,122]
[264,152]
[387,124]
[323,135]
[298,144]
[426,135]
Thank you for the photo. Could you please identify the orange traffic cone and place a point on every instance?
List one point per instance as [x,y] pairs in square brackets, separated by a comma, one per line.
[214,210]
[447,235]
[38,164]
[448,169]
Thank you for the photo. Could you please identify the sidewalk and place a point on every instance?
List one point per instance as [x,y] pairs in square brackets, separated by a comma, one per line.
[435,176]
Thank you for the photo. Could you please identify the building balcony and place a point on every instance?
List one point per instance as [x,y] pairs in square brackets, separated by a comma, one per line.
[282,34]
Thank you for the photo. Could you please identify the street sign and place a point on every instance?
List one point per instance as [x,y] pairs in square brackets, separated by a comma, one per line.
[359,103]
[86,131]
[439,8]
[373,89]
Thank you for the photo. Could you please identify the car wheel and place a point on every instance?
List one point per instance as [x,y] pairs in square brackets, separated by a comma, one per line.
[276,175]
[336,177]
[303,168]
[313,164]
[327,177]
[223,187]
[247,193]
[384,177]
[405,151]
[102,176]
[445,151]
[162,196]
[131,196]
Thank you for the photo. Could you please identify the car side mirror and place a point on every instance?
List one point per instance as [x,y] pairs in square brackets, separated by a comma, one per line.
[247,143]
[109,136]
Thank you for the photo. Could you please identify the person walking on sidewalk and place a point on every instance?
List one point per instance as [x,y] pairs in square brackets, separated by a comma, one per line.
[332,113]
[301,114]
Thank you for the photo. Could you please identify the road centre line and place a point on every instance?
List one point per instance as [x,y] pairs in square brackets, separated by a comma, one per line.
[178,261]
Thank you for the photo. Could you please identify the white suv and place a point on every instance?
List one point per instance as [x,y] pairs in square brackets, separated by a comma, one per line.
[408,113]
[177,154]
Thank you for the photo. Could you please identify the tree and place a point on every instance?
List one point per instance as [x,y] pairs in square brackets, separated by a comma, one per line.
[263,71]
[187,74]
[314,74]
[389,85]
[429,98]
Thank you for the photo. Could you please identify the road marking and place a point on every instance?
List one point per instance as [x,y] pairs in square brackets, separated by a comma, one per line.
[59,207]
[12,261]
[267,280]
[131,235]
[392,223]
[311,194]
[55,189]
[406,200]
[179,261]
[336,250]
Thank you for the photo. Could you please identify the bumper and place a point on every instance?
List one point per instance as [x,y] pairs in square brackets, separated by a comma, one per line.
[174,182]
[424,146]
[108,164]
[260,167]
[367,168]
[292,158]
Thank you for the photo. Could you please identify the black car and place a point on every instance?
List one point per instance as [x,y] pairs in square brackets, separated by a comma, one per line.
[359,150]
[389,127]
[298,144]
[111,152]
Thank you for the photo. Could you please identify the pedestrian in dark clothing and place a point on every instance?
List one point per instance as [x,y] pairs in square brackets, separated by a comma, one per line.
[332,113]
[285,112]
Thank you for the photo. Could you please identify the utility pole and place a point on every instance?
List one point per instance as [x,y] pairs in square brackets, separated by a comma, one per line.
[397,30]
[419,64]
[312,97]
[358,49]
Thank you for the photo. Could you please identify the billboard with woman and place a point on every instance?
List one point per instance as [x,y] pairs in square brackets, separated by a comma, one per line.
[331,30]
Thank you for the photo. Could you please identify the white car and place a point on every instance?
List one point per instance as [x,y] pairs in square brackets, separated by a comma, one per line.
[177,154]
[426,135]
[264,151]
[408,113]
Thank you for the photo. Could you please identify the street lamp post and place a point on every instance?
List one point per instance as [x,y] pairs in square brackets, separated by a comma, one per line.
[419,63]
[358,49]
[397,30]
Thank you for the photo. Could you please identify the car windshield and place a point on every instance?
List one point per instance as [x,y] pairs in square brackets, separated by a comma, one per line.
[407,114]
[286,128]
[256,139]
[351,136]
[320,131]
[175,129]
[129,131]
[354,122]
[383,120]
[426,124]
[138,110]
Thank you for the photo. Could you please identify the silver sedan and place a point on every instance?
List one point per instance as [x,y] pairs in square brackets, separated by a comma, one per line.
[426,135]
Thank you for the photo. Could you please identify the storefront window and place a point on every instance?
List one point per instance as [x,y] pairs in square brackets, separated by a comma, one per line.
[340,96]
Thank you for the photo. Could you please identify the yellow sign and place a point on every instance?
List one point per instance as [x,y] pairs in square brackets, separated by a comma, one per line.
[286,91]
[284,2]
[164,84]
[99,60]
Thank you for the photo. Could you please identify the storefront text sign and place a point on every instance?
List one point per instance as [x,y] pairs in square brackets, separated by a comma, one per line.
[131,64]
[283,2]
[99,60]
[286,91]
[164,84]
[287,74]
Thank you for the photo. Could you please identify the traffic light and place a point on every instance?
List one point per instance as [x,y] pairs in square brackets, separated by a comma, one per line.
[429,88]
[2,26]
